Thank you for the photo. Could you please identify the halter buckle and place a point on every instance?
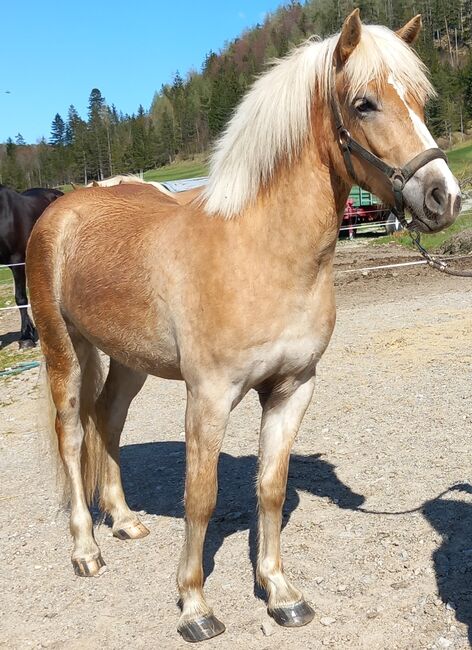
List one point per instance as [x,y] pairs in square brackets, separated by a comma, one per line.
[344,136]
[398,181]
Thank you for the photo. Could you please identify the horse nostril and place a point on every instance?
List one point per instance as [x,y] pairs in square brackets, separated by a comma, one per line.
[436,200]
[438,195]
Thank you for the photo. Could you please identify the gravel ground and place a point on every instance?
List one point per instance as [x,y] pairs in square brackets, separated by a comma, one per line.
[388,431]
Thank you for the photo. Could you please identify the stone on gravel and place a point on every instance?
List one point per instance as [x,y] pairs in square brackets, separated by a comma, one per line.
[267,628]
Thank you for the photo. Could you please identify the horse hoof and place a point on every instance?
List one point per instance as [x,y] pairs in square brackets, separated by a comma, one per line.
[25,344]
[201,629]
[133,532]
[89,568]
[295,615]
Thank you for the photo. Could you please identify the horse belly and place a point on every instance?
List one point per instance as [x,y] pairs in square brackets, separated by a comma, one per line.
[156,359]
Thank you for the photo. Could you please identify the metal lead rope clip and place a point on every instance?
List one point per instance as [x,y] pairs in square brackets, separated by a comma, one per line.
[432,261]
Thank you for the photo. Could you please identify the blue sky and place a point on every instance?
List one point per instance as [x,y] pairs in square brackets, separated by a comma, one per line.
[54,53]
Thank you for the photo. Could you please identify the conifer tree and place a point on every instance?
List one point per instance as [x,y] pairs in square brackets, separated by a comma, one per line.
[58,131]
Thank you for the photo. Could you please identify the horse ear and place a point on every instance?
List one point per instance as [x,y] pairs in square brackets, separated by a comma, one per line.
[95,184]
[410,32]
[74,186]
[349,37]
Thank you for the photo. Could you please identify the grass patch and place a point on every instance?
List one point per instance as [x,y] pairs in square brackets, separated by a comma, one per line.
[178,171]
[6,276]
[460,160]
[7,298]
[11,357]
[431,242]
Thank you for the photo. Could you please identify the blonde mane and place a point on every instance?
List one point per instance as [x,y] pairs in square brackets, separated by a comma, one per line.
[272,121]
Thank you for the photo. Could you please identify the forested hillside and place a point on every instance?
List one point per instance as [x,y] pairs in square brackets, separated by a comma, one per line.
[189,112]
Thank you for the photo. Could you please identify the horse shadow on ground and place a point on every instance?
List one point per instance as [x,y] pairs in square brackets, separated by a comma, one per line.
[9,338]
[452,519]
[153,477]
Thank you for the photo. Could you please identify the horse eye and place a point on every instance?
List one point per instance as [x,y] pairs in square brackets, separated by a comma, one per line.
[364,105]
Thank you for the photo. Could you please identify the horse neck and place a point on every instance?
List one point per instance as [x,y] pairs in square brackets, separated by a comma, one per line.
[298,216]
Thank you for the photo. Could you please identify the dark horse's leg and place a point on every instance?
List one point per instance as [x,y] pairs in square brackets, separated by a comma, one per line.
[28,335]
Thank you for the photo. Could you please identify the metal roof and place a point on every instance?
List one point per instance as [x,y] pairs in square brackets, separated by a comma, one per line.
[184,184]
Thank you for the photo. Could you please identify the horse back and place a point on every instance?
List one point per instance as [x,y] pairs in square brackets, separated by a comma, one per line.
[91,253]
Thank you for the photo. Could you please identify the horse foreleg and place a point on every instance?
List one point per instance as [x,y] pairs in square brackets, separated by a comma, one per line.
[28,335]
[282,414]
[120,388]
[206,420]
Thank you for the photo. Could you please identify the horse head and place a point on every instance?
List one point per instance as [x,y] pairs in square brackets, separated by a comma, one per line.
[378,93]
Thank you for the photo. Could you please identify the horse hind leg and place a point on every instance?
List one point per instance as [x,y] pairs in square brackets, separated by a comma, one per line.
[73,368]
[282,415]
[121,386]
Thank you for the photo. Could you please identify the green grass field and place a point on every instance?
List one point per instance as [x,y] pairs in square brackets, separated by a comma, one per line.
[460,159]
[178,171]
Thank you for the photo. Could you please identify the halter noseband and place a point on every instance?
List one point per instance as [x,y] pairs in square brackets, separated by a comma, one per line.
[398,176]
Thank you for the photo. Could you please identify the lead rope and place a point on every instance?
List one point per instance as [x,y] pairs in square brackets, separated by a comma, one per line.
[433,261]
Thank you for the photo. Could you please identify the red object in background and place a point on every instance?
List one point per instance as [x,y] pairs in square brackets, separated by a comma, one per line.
[349,218]
[363,214]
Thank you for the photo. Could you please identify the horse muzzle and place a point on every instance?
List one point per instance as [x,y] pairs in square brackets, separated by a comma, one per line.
[433,197]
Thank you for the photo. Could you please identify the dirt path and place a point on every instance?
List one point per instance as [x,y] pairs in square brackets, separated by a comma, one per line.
[389,430]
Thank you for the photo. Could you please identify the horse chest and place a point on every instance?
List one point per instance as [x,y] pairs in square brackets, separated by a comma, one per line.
[289,355]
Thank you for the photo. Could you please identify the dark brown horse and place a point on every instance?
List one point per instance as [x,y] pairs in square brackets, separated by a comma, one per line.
[18,214]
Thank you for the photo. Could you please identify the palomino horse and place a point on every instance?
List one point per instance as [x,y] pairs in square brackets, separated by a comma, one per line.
[239,286]
[18,214]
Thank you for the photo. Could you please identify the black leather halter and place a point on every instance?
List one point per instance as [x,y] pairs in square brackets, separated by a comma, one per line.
[398,176]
